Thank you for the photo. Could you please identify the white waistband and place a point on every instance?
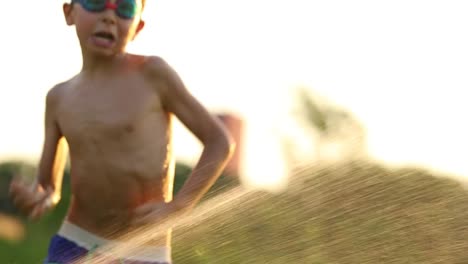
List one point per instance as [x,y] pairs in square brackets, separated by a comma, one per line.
[90,241]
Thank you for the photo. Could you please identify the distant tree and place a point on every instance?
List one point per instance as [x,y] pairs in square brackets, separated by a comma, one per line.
[336,132]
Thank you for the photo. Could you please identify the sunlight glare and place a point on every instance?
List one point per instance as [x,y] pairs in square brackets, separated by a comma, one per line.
[263,165]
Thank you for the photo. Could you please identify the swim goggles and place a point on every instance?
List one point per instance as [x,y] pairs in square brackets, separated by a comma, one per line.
[126,9]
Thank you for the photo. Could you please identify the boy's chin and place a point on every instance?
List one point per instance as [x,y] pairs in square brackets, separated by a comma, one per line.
[104,53]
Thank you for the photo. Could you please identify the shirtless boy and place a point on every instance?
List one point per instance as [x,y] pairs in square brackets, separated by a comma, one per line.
[115,116]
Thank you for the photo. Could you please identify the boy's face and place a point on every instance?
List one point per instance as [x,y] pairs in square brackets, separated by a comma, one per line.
[105,32]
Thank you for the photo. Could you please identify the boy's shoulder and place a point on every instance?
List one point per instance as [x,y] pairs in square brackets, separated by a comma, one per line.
[56,92]
[155,65]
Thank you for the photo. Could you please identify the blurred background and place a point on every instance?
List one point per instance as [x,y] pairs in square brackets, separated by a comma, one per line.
[348,117]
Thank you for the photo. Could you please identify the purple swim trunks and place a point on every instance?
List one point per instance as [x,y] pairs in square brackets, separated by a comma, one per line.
[73,244]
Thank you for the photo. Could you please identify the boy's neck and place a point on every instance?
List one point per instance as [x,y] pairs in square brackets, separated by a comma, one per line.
[102,64]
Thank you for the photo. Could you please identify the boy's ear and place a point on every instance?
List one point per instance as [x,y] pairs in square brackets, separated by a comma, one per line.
[67,11]
[140,26]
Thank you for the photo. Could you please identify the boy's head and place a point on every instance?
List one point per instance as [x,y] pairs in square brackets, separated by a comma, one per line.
[105,24]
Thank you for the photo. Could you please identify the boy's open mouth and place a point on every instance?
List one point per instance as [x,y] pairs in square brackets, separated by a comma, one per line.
[103,39]
[105,35]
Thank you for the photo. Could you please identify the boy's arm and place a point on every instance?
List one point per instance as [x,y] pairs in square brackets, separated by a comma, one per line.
[217,144]
[46,190]
[54,151]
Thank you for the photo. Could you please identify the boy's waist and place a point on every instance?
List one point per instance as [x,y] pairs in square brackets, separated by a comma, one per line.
[109,221]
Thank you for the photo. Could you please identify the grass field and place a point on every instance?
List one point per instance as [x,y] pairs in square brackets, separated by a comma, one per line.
[354,212]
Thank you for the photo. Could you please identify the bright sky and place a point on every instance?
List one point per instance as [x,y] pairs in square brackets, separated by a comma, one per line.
[400,66]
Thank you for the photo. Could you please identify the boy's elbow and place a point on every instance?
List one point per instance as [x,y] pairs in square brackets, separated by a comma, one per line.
[226,146]
[231,147]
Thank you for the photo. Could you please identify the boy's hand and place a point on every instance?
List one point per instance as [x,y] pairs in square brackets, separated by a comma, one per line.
[155,213]
[32,200]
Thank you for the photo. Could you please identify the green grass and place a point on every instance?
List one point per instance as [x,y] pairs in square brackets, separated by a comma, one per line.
[356,212]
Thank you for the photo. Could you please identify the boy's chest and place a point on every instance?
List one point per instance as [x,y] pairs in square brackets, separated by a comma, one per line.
[108,109]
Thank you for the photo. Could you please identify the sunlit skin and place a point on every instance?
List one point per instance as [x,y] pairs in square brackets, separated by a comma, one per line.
[114,118]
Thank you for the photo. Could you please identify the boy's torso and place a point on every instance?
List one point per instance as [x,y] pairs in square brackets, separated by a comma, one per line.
[120,148]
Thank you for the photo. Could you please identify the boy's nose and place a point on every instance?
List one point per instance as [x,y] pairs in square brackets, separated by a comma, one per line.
[109,17]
